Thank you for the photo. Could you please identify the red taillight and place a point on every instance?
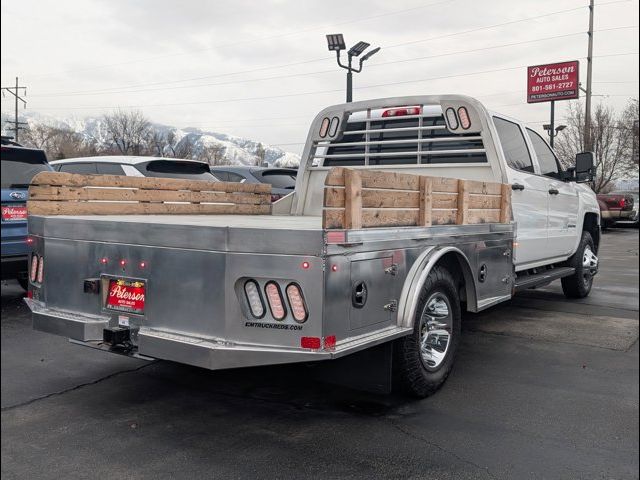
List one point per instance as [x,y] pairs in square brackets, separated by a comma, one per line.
[330,342]
[104,260]
[275,300]
[143,264]
[40,270]
[305,265]
[622,203]
[463,115]
[334,268]
[401,112]
[30,240]
[34,267]
[311,342]
[296,302]
[123,263]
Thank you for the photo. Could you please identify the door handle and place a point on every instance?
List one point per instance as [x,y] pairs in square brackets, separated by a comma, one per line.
[517,186]
[554,191]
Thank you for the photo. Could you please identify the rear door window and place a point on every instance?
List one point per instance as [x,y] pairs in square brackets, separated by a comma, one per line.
[110,169]
[277,178]
[79,168]
[514,146]
[177,169]
[19,165]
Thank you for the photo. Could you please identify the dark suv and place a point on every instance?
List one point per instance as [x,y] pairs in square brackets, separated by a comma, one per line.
[19,165]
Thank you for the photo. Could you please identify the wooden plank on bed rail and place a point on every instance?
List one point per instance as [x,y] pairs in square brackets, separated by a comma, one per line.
[135,208]
[153,183]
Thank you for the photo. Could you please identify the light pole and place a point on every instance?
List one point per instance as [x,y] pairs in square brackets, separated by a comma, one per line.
[335,42]
[553,132]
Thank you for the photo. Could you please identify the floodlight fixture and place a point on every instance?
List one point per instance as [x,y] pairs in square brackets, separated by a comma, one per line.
[559,128]
[335,42]
[370,54]
[358,48]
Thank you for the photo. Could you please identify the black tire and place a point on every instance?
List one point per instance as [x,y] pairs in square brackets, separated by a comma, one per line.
[24,283]
[579,284]
[412,374]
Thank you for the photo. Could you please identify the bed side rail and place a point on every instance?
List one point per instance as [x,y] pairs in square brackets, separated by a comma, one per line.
[358,198]
[57,193]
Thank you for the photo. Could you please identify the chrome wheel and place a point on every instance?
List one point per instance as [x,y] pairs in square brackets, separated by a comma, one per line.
[589,265]
[436,323]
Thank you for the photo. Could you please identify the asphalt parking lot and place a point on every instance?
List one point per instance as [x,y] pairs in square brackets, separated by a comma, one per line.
[543,387]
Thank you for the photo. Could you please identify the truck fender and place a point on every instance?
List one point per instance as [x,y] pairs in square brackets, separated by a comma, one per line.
[417,276]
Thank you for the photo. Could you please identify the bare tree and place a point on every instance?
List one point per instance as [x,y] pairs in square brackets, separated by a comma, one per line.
[213,155]
[59,142]
[260,154]
[612,143]
[128,131]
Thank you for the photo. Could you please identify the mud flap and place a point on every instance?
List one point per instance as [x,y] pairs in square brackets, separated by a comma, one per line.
[369,370]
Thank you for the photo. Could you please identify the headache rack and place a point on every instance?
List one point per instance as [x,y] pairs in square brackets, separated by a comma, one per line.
[401,139]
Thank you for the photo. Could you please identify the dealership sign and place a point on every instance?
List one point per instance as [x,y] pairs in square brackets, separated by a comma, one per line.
[555,81]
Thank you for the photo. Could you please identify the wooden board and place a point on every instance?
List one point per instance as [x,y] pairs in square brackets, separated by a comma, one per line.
[54,193]
[355,198]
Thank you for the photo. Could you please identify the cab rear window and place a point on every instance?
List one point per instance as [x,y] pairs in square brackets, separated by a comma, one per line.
[403,141]
[20,165]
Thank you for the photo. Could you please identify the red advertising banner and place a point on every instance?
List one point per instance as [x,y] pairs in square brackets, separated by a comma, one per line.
[554,81]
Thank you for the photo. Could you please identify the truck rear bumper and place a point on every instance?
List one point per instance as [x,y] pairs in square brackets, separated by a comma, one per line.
[212,354]
[74,326]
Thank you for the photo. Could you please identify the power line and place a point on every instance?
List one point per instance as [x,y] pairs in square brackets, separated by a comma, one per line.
[380,64]
[386,47]
[253,40]
[318,92]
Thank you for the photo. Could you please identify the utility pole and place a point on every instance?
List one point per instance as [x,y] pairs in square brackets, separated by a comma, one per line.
[15,91]
[587,108]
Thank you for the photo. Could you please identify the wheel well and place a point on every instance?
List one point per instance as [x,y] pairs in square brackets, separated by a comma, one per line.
[459,268]
[591,225]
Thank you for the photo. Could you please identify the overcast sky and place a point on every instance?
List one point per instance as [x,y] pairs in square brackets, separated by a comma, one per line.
[261,69]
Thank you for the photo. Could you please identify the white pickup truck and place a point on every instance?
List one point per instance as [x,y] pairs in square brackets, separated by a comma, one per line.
[406,211]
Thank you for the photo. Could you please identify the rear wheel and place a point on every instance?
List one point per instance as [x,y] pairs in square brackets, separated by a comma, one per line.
[424,359]
[585,262]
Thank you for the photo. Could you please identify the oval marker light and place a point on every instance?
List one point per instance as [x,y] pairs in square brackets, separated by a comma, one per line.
[275,301]
[254,298]
[452,119]
[465,121]
[296,302]
[324,127]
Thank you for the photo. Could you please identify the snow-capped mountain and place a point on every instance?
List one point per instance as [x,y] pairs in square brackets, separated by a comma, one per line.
[237,150]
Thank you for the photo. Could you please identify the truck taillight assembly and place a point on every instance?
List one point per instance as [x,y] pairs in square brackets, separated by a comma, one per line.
[296,302]
[276,304]
[40,276]
[36,270]
[34,267]
[254,299]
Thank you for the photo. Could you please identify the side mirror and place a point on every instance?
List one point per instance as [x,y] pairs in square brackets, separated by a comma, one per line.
[585,169]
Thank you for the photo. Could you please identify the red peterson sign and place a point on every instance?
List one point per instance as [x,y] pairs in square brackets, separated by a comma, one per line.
[555,81]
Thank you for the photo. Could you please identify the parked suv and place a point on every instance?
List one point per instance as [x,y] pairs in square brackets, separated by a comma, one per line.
[19,165]
[133,166]
[282,180]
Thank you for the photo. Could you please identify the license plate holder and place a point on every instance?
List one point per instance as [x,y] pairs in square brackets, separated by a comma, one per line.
[11,213]
[126,295]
